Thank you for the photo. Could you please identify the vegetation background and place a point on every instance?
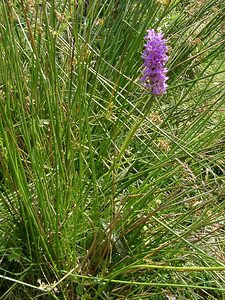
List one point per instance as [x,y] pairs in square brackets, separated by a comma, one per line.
[102,196]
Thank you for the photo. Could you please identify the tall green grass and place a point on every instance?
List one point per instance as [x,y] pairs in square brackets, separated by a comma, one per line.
[103,196]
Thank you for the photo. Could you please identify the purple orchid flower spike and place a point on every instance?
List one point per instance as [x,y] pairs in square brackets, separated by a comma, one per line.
[155,57]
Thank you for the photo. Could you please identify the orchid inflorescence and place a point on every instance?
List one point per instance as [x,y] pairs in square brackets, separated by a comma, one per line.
[155,57]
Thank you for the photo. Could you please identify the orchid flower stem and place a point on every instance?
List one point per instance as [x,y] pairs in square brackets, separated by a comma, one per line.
[134,129]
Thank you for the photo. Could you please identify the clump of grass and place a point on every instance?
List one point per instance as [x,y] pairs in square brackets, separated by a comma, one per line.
[101,199]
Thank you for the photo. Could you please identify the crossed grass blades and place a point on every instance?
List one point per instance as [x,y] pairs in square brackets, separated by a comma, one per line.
[97,201]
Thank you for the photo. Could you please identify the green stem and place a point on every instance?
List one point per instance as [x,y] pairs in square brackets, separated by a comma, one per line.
[134,129]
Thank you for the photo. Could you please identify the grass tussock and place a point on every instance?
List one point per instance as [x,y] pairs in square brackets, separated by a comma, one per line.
[103,196]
